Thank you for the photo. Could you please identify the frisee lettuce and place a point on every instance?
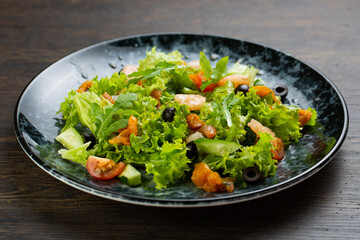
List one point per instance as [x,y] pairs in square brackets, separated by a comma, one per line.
[159,146]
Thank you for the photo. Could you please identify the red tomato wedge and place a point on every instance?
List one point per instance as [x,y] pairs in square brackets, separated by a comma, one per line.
[210,87]
[278,151]
[103,168]
[196,79]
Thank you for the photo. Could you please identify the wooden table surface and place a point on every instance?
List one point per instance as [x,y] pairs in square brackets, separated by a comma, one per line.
[34,34]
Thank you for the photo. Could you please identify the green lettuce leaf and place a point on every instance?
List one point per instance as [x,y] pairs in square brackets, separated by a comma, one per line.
[249,71]
[178,80]
[82,103]
[151,72]
[170,165]
[313,118]
[77,109]
[233,164]
[78,154]
[154,57]
[112,85]
[103,119]
[213,75]
[66,106]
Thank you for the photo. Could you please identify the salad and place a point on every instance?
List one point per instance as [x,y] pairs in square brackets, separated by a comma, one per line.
[175,121]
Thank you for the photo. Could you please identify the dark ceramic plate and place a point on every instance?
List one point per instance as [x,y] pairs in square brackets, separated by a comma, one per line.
[37,124]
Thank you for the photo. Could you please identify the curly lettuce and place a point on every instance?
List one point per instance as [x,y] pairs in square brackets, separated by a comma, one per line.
[232,164]
[154,57]
[159,146]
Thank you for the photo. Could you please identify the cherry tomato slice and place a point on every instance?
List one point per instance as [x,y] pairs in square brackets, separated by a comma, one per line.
[199,78]
[196,79]
[278,151]
[210,88]
[103,168]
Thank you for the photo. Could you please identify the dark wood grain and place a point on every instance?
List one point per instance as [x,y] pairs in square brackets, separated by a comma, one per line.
[33,34]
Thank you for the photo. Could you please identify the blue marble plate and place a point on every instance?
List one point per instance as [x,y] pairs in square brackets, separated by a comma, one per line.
[37,124]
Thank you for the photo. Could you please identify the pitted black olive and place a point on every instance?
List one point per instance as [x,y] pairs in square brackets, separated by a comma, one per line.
[281,91]
[89,137]
[242,88]
[168,114]
[251,174]
[191,151]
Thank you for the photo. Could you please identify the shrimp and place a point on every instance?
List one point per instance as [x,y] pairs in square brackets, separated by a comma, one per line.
[236,79]
[304,116]
[208,131]
[194,65]
[193,101]
[108,97]
[259,128]
[278,144]
[203,177]
[85,86]
[129,69]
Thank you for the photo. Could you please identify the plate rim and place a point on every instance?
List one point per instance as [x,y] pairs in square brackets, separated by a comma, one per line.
[211,201]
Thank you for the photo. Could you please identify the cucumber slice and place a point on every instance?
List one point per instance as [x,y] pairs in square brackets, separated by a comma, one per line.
[216,147]
[70,138]
[130,176]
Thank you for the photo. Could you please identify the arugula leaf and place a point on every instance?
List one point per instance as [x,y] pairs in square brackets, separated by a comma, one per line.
[220,69]
[213,75]
[205,65]
[149,73]
[103,120]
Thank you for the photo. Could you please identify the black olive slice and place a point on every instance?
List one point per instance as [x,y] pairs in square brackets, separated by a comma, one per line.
[251,175]
[281,90]
[242,88]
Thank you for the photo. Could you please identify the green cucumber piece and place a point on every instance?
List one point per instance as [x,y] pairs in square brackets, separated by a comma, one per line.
[130,176]
[216,147]
[70,138]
